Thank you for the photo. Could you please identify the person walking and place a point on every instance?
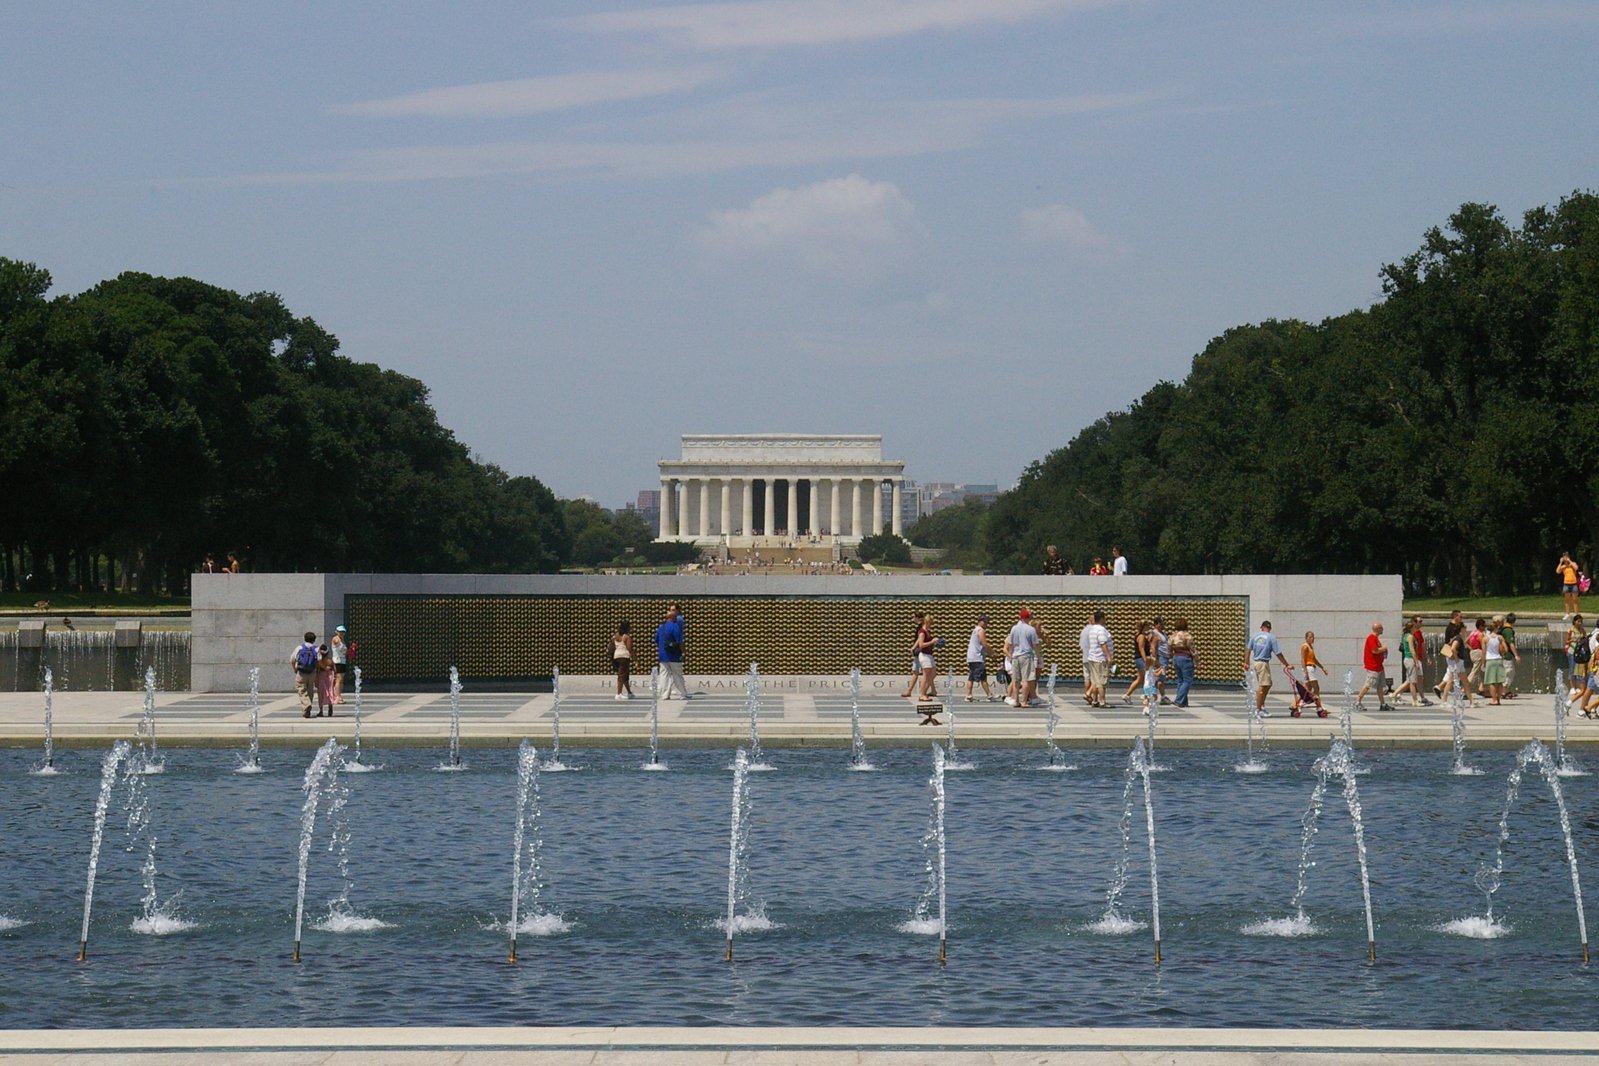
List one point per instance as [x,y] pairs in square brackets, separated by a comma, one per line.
[1475,654]
[1569,574]
[1451,631]
[303,661]
[1160,644]
[1259,652]
[926,645]
[1182,660]
[977,655]
[1373,655]
[1453,652]
[1311,665]
[324,682]
[1141,654]
[339,649]
[1494,649]
[1412,664]
[1507,629]
[1099,652]
[1021,647]
[669,652]
[622,659]
[1576,634]
[916,668]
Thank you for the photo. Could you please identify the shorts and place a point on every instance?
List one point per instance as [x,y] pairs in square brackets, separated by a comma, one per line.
[1096,674]
[1568,589]
[1593,682]
[977,671]
[1024,667]
[342,668]
[1493,672]
[1378,678]
[1453,669]
[924,661]
[1414,673]
[1262,673]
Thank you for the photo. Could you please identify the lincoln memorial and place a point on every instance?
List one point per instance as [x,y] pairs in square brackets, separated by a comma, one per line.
[742,489]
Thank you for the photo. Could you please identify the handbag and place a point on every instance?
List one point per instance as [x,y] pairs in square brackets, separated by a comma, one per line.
[1002,675]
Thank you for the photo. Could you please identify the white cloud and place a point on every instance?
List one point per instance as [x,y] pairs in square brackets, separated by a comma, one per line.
[531,96]
[1069,227]
[730,134]
[849,228]
[783,23]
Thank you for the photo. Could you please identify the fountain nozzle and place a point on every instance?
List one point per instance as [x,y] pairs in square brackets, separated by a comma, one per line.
[511,959]
[83,951]
[1371,950]
[729,956]
[1157,953]
[296,951]
[1585,953]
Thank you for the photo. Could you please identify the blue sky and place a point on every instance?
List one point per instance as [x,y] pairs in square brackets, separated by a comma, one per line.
[973,226]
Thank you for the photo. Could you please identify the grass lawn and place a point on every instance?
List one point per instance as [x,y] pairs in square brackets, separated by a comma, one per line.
[68,602]
[1488,606]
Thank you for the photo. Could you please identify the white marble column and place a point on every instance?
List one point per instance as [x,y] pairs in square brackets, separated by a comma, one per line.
[749,507]
[791,519]
[684,530]
[896,517]
[875,501]
[705,507]
[769,509]
[667,526]
[816,507]
[835,493]
[855,525]
[726,485]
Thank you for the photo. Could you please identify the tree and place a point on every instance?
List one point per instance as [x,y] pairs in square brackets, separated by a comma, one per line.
[884,548]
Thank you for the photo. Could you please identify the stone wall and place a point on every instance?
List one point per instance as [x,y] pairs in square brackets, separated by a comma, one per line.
[244,620]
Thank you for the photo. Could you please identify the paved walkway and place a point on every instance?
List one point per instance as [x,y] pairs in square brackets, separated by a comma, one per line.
[798,1045]
[1217,717]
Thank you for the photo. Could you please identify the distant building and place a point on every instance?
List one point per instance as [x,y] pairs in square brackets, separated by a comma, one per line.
[747,490]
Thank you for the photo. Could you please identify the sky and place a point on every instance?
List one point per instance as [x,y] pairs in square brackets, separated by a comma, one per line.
[971,226]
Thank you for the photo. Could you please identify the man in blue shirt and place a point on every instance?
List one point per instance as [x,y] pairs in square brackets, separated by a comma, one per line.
[1261,647]
[669,650]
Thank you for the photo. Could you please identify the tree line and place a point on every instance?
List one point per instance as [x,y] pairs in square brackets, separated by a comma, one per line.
[148,422]
[1448,433]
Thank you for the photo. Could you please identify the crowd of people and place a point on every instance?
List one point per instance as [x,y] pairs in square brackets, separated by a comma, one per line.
[320,671]
[1055,564]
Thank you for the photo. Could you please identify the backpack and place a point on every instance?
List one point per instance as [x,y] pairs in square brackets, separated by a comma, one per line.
[1580,650]
[305,657]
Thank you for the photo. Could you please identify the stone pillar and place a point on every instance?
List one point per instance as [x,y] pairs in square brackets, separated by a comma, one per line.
[792,518]
[877,506]
[855,524]
[816,507]
[835,491]
[749,506]
[726,485]
[897,521]
[769,511]
[667,525]
[684,530]
[705,507]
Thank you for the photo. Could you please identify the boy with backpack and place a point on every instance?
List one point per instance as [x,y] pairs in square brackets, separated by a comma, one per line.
[304,661]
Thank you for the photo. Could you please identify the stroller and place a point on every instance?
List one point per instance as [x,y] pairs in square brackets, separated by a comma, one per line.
[1303,697]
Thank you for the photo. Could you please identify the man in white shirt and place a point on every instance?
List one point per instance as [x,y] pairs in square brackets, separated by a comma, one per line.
[1021,647]
[1118,566]
[977,653]
[1099,651]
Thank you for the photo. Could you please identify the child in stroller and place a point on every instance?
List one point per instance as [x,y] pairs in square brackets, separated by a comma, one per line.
[1303,697]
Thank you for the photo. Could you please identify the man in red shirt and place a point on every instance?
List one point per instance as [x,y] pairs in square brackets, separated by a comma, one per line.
[1375,652]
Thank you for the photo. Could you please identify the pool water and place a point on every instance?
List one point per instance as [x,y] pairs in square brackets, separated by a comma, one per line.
[636,864]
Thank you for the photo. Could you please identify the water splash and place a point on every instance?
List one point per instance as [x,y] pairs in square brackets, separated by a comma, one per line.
[951,757]
[554,764]
[1251,765]
[150,761]
[326,794]
[1489,877]
[1151,722]
[252,758]
[739,897]
[655,762]
[1476,927]
[155,916]
[931,916]
[1565,766]
[454,764]
[120,753]
[857,742]
[1057,758]
[48,766]
[1457,715]
[354,765]
[752,706]
[1113,922]
[1338,762]
[527,839]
